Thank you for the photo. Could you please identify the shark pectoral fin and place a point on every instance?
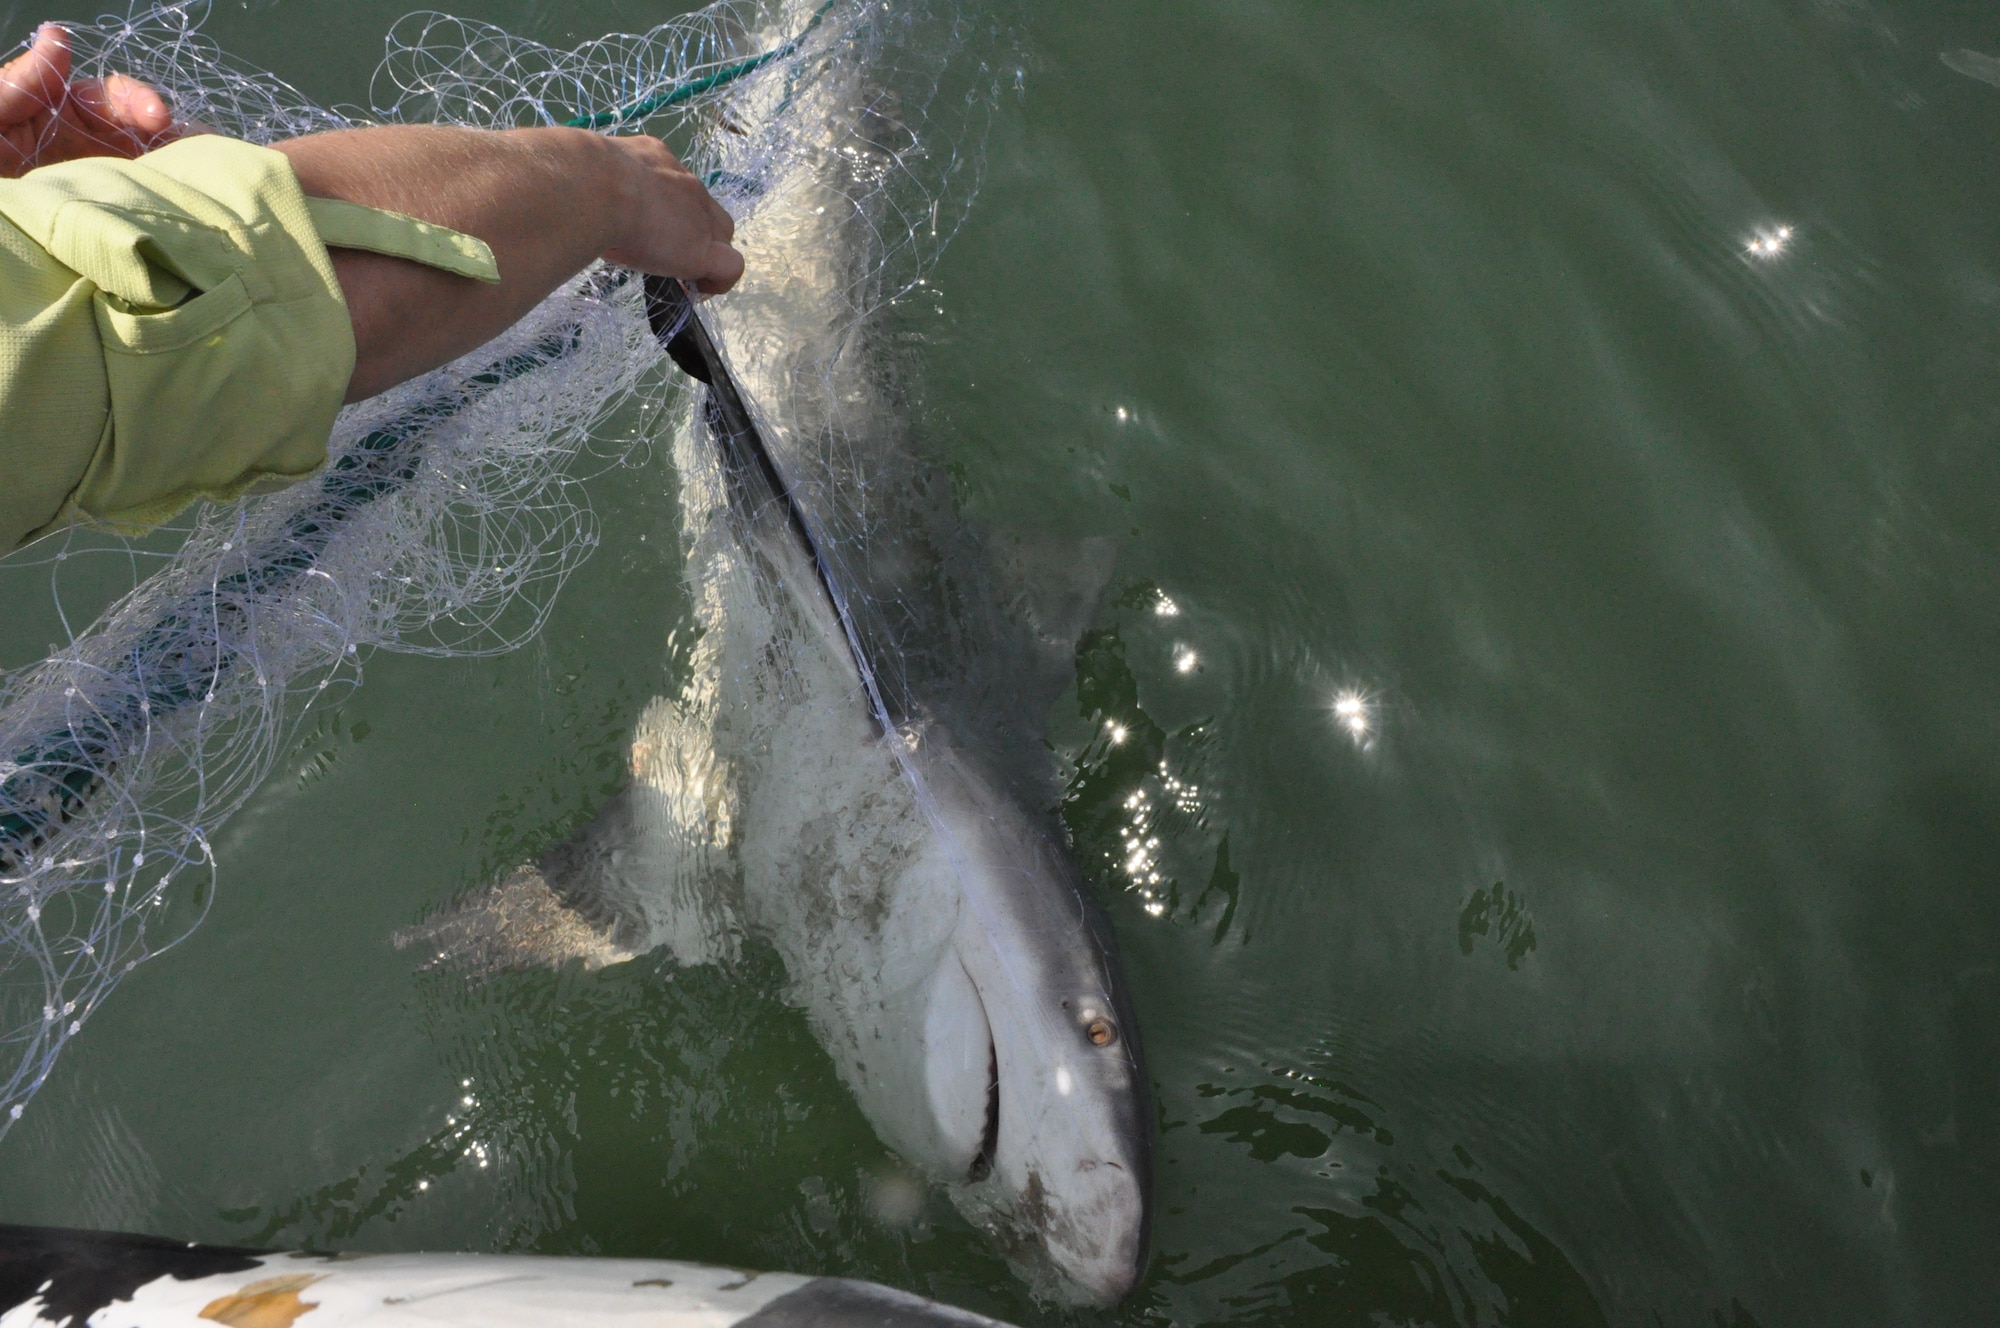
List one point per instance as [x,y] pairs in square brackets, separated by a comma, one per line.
[678,883]
[583,899]
[679,874]
[651,871]
[592,873]
[645,877]
[1054,587]
[518,922]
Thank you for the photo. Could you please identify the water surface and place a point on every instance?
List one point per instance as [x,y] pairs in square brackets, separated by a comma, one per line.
[1543,759]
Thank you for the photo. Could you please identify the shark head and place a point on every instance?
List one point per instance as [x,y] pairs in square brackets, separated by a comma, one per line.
[1070,1190]
[1038,1105]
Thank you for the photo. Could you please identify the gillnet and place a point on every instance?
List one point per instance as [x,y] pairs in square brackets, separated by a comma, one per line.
[870,683]
[451,509]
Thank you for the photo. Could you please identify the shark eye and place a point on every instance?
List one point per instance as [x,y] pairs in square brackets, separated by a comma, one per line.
[1101,1032]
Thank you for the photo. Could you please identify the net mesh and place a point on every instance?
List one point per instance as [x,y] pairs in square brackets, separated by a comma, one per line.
[451,510]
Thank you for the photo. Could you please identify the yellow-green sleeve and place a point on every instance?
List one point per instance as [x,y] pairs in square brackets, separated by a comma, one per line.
[171,329]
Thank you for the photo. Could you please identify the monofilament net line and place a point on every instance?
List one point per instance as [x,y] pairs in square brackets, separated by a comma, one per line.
[444,523]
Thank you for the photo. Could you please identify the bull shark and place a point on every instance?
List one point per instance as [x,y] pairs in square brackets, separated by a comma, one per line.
[855,768]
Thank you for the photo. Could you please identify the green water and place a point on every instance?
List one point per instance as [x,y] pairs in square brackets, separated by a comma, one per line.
[1636,964]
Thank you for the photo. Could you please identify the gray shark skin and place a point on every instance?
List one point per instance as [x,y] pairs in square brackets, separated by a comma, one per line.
[855,768]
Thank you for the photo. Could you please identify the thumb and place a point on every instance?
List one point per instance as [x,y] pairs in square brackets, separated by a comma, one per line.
[722,268]
[137,106]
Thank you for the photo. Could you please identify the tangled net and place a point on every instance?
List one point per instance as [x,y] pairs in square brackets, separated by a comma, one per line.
[447,519]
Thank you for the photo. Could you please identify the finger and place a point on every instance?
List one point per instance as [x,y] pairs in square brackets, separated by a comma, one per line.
[720,217]
[695,195]
[69,138]
[116,114]
[139,107]
[93,122]
[723,269]
[35,81]
[648,146]
[17,151]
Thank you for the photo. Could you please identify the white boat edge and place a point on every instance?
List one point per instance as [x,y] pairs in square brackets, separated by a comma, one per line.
[52,1277]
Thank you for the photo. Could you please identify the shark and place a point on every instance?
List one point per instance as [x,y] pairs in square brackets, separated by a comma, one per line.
[855,768]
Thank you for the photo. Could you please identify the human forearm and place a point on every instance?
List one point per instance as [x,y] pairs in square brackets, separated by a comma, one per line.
[547,201]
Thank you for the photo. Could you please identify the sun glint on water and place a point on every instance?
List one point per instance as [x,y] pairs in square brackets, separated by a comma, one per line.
[1354,713]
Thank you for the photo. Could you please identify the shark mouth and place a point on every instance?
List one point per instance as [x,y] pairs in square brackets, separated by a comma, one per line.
[989,1142]
[961,1075]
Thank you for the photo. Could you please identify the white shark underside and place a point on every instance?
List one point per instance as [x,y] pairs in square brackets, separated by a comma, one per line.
[854,768]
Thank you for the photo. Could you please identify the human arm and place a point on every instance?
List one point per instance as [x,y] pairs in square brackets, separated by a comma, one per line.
[196,321]
[547,201]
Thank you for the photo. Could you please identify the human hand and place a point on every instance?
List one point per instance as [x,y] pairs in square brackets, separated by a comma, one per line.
[45,118]
[673,225]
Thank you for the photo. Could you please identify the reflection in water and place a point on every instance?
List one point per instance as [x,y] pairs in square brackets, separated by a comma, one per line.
[1500,914]
[1140,864]
[474,1150]
[1363,1209]
[1126,806]
[1354,713]
[1186,796]
[1770,242]
[1972,64]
